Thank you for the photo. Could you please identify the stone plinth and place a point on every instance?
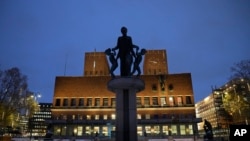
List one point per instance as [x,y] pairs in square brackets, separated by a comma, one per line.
[125,89]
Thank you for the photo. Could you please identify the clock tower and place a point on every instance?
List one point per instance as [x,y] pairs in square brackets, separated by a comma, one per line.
[155,62]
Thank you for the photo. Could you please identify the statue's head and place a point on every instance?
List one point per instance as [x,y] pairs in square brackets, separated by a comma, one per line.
[143,51]
[124,30]
[108,51]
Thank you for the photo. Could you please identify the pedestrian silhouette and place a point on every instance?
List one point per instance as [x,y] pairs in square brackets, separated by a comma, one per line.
[208,130]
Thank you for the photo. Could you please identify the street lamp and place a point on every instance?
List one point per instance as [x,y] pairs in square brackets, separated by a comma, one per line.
[36,96]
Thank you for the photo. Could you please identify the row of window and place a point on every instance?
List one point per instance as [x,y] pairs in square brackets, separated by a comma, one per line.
[146,101]
[113,117]
[79,130]
[42,116]
[43,113]
[39,119]
[40,127]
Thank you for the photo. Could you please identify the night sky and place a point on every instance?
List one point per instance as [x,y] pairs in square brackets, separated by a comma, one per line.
[204,38]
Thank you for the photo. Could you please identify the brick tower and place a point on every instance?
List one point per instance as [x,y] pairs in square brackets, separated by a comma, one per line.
[96,64]
[155,62]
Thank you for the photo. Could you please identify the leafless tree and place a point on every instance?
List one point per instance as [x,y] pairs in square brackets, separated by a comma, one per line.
[241,70]
[13,90]
[237,101]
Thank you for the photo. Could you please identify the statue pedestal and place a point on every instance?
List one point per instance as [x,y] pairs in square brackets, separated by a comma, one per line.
[125,89]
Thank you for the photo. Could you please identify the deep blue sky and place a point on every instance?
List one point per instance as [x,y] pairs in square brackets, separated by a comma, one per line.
[204,37]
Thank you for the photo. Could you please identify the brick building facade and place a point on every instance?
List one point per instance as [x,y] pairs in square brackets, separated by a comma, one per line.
[82,105]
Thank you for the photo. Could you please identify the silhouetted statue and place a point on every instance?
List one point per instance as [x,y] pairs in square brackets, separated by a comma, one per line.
[208,130]
[112,60]
[126,52]
[138,60]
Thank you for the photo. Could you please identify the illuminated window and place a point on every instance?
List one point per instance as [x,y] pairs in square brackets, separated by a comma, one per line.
[165,130]
[96,129]
[148,129]
[79,130]
[105,131]
[113,128]
[97,117]
[179,100]
[147,116]
[163,101]
[173,130]
[88,117]
[105,117]
[75,131]
[88,130]
[155,129]
[139,130]
[171,101]
[138,116]
[112,116]
[189,130]
[183,129]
